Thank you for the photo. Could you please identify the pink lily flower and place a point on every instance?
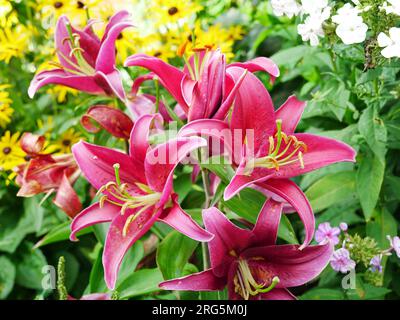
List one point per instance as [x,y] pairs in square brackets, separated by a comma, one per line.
[45,173]
[278,152]
[273,153]
[135,190]
[250,263]
[86,63]
[204,89]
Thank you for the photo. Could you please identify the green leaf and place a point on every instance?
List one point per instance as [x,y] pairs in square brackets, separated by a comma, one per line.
[369,182]
[247,205]
[30,263]
[322,294]
[59,233]
[333,189]
[173,253]
[7,276]
[382,225]
[141,282]
[373,129]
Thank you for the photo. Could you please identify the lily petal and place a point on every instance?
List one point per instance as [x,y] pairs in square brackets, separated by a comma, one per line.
[111,119]
[267,225]
[294,267]
[106,58]
[170,76]
[139,144]
[290,113]
[277,294]
[67,199]
[321,152]
[93,215]
[161,161]
[97,162]
[289,191]
[201,281]
[59,76]
[178,219]
[253,109]
[118,242]
[111,83]
[260,64]
[227,242]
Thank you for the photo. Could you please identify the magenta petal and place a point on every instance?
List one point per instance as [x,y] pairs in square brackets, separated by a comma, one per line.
[217,130]
[260,64]
[170,76]
[228,240]
[161,161]
[321,152]
[111,81]
[267,225]
[59,76]
[106,58]
[97,163]
[117,243]
[63,46]
[277,294]
[253,109]
[238,183]
[227,103]
[290,113]
[201,281]
[289,191]
[67,199]
[294,267]
[139,144]
[111,119]
[178,219]
[117,18]
[93,215]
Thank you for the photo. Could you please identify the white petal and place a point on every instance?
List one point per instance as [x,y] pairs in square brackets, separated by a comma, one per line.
[384,40]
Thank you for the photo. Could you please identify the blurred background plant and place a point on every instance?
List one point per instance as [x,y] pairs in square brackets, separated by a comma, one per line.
[345,67]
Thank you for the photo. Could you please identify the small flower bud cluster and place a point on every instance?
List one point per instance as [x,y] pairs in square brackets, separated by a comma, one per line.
[354,250]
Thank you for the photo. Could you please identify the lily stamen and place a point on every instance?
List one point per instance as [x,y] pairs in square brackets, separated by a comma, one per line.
[246,285]
[276,157]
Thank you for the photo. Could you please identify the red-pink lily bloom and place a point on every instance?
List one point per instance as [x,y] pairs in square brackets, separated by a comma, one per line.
[277,151]
[250,263]
[86,63]
[136,191]
[265,149]
[45,173]
[204,89]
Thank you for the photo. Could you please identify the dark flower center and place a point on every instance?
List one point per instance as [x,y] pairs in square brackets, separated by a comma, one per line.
[172,11]
[66,142]
[80,5]
[120,36]
[27,158]
[190,39]
[6,150]
[58,4]
[157,54]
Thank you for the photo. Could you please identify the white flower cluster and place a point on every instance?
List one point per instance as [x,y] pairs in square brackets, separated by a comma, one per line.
[350,27]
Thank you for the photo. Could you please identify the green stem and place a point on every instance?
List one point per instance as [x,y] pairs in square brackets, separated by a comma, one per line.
[157,84]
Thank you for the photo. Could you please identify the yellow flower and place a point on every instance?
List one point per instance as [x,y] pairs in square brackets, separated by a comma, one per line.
[215,36]
[67,139]
[172,12]
[61,92]
[11,153]
[5,109]
[13,42]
